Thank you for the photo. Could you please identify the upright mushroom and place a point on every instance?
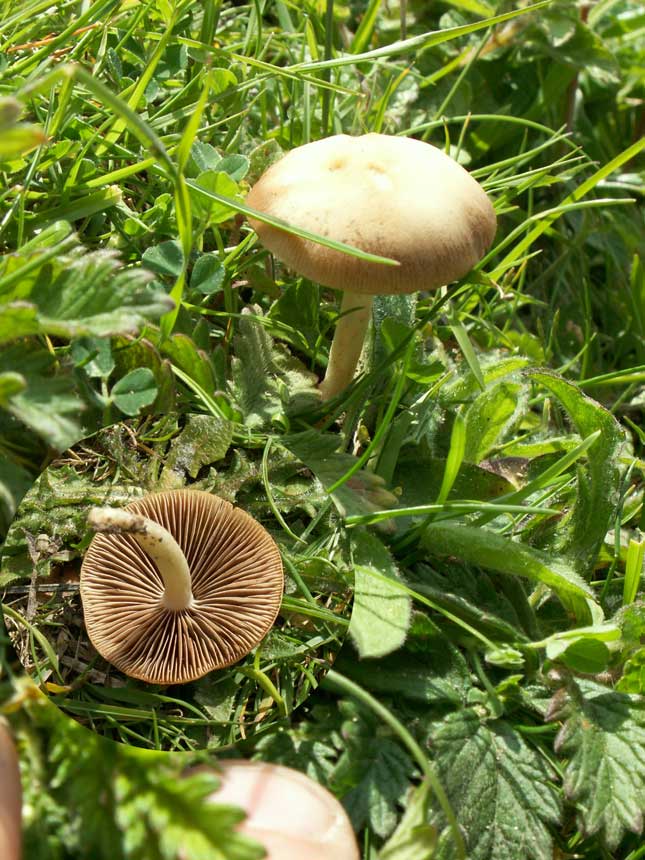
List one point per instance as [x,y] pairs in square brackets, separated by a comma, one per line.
[177,584]
[394,197]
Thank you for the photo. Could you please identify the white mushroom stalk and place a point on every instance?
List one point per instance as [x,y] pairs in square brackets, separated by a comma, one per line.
[347,345]
[158,544]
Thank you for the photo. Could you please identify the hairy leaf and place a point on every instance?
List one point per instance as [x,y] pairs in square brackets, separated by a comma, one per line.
[381,613]
[603,737]
[488,549]
[498,785]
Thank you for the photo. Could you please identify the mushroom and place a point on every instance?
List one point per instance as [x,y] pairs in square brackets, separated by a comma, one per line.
[177,584]
[10,798]
[395,197]
[292,816]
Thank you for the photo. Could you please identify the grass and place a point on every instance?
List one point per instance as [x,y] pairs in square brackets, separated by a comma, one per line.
[489,509]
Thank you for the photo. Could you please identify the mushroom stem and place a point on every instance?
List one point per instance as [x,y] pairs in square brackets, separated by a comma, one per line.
[156,542]
[347,345]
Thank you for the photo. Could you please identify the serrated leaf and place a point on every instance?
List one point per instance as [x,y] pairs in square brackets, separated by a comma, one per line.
[603,738]
[499,787]
[53,286]
[47,404]
[135,391]
[372,775]
[438,675]
[381,613]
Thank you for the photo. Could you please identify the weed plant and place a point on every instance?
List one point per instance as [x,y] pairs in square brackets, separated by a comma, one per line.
[482,478]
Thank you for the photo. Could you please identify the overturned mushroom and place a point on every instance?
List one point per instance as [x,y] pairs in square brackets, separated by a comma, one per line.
[177,584]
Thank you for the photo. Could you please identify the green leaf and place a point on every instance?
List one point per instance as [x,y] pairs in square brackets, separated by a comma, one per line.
[94,355]
[499,786]
[204,440]
[47,404]
[381,613]
[414,838]
[134,391]
[53,286]
[371,777]
[267,380]
[582,533]
[603,738]
[208,274]
[364,493]
[219,183]
[489,550]
[183,353]
[588,656]
[438,674]
[491,415]
[167,258]
[18,319]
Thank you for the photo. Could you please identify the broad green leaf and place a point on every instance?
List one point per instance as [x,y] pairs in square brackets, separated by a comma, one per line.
[135,391]
[499,786]
[183,353]
[94,355]
[166,258]
[588,656]
[436,674]
[583,531]
[18,319]
[603,739]
[489,550]
[414,838]
[217,183]
[208,274]
[53,286]
[381,613]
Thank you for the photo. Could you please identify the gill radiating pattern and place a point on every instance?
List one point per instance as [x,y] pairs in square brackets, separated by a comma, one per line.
[236,579]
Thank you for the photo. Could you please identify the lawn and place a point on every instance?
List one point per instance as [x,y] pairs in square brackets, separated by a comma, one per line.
[460,528]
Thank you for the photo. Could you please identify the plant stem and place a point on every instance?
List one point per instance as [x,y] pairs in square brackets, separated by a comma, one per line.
[156,542]
[346,347]
[340,683]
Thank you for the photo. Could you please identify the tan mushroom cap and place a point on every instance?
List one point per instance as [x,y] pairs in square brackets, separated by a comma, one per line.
[237,582]
[393,196]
